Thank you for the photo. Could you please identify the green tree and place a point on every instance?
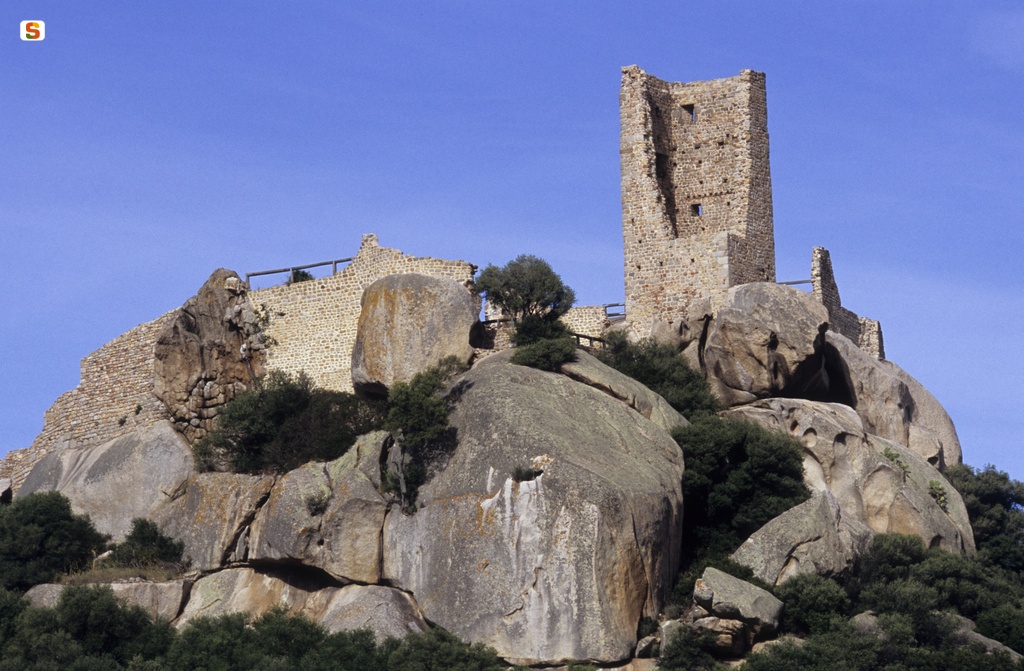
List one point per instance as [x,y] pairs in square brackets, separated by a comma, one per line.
[526,287]
[224,643]
[40,538]
[688,651]
[104,626]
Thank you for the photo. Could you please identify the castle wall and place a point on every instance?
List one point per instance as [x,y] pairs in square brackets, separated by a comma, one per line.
[866,333]
[314,322]
[116,379]
[696,191]
[589,320]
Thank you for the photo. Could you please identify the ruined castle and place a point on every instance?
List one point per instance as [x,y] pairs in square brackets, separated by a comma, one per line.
[696,220]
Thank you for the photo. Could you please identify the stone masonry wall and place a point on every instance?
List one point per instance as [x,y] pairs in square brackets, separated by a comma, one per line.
[314,322]
[696,191]
[589,320]
[867,333]
[116,380]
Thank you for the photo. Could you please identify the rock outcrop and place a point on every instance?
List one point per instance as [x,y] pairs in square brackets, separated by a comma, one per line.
[895,406]
[210,351]
[765,340]
[327,515]
[593,373]
[556,567]
[385,611]
[877,483]
[726,597]
[163,600]
[212,515]
[812,537]
[128,477]
[407,324]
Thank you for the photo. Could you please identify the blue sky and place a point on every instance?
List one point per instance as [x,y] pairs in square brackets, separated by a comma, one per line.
[146,144]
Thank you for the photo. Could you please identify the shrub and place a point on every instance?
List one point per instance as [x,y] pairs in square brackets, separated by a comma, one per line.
[418,418]
[438,649]
[299,276]
[938,492]
[890,557]
[814,604]
[688,651]
[738,477]
[526,287]
[145,545]
[993,503]
[285,422]
[40,538]
[548,354]
[224,643]
[662,370]
[103,625]
[525,474]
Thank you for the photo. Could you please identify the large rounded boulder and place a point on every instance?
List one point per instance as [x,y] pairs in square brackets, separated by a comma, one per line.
[407,324]
[765,340]
[130,476]
[554,526]
[878,484]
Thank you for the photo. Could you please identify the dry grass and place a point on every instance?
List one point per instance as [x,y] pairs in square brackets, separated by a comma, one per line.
[109,574]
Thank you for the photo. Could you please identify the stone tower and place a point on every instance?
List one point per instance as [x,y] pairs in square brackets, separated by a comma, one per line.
[696,191]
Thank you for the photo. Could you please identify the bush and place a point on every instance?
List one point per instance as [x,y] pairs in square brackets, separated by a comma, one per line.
[662,370]
[994,505]
[437,649]
[418,418]
[814,604]
[548,354]
[40,538]
[145,545]
[738,477]
[285,422]
[526,287]
[890,557]
[688,651]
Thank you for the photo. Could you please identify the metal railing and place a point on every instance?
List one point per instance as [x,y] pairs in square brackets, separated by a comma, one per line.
[291,271]
[797,282]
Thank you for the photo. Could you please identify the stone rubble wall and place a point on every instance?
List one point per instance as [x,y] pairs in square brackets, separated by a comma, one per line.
[589,320]
[314,322]
[696,191]
[116,380]
[867,333]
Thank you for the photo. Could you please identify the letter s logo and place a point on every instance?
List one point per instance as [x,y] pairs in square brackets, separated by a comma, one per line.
[33,31]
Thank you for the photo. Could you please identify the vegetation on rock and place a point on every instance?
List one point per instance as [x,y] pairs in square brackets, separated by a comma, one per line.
[534,297]
[738,477]
[284,422]
[145,545]
[417,416]
[663,371]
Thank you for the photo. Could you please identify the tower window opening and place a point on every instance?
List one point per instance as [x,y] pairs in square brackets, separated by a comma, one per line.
[690,113]
[696,210]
